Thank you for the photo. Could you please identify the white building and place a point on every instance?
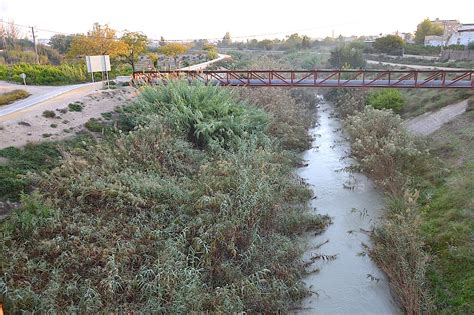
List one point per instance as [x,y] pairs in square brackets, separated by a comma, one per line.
[463,36]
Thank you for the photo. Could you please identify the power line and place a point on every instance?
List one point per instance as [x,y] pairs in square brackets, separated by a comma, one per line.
[182,40]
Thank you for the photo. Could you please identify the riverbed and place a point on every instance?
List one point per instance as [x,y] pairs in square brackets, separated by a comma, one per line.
[343,278]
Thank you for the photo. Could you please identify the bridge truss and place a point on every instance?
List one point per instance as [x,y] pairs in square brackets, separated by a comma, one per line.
[318,78]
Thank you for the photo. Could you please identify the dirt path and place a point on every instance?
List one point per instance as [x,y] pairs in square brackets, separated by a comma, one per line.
[429,122]
[29,126]
[416,67]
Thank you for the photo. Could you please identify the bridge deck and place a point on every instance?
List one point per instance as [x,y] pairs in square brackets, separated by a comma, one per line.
[319,78]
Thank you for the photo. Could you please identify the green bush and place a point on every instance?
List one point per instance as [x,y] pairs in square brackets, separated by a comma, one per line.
[44,74]
[386,99]
[205,114]
[75,107]
[94,125]
[49,114]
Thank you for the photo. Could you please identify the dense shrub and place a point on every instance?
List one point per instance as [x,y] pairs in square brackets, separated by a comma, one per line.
[74,107]
[347,101]
[386,99]
[44,74]
[49,114]
[94,125]
[144,221]
[205,114]
[290,114]
[384,148]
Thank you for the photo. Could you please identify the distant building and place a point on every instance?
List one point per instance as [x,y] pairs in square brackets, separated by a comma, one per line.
[449,27]
[434,40]
[463,36]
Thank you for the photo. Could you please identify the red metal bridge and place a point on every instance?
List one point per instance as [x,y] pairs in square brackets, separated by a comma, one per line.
[318,78]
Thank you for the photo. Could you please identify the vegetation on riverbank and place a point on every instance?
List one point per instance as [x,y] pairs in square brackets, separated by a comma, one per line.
[12,96]
[425,242]
[196,208]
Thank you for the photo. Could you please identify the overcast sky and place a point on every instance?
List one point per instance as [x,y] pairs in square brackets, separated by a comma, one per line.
[175,19]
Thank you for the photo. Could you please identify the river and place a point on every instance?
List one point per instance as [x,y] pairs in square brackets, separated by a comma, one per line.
[349,282]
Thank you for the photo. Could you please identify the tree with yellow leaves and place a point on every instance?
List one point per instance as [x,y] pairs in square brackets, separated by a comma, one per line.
[101,40]
[135,43]
[173,50]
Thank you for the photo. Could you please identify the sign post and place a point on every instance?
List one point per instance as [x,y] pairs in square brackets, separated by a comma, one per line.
[99,64]
[23,76]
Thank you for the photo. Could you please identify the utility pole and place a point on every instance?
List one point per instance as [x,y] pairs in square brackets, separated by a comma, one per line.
[4,40]
[34,43]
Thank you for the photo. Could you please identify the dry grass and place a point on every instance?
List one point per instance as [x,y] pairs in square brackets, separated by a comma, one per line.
[12,96]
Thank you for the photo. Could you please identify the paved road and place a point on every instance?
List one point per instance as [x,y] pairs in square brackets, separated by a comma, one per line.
[40,94]
[429,122]
[416,67]
[46,93]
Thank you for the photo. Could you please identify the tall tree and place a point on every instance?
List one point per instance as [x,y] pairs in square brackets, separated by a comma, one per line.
[101,40]
[305,42]
[227,40]
[135,44]
[347,57]
[173,50]
[427,28]
[60,42]
[390,44]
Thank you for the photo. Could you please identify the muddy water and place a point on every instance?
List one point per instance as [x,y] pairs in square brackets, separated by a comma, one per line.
[351,283]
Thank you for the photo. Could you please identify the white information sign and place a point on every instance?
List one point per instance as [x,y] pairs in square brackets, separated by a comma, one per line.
[98,63]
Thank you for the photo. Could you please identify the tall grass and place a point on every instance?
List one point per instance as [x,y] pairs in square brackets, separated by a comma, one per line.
[167,218]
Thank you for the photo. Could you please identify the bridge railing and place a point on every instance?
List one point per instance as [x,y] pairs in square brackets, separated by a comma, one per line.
[318,78]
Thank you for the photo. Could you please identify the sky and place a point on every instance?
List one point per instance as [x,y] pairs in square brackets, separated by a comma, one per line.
[178,19]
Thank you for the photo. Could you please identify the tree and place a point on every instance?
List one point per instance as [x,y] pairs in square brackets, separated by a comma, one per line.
[173,50]
[390,44]
[162,41]
[293,41]
[266,44]
[135,44]
[62,43]
[427,28]
[344,56]
[211,51]
[101,40]
[306,42]
[386,98]
[227,40]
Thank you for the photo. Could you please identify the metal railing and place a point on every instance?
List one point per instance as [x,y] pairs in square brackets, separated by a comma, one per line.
[318,78]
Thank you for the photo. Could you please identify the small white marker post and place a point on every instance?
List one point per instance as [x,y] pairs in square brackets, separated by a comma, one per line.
[23,76]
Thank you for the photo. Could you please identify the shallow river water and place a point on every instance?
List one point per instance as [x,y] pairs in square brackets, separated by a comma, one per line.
[351,283]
